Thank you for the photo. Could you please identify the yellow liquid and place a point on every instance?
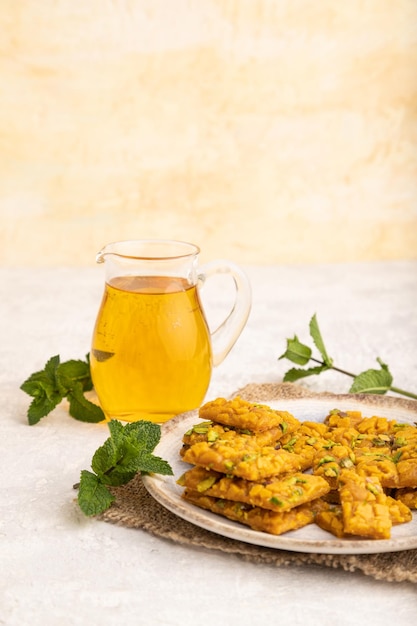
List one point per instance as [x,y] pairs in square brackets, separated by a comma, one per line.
[151,353]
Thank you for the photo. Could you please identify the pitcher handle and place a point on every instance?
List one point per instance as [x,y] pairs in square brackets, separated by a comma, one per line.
[226,335]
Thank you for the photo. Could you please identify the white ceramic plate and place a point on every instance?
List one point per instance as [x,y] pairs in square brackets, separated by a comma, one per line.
[311,538]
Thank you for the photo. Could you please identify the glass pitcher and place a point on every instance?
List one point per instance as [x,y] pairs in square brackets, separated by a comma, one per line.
[152,351]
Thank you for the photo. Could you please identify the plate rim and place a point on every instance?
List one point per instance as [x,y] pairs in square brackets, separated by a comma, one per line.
[163,490]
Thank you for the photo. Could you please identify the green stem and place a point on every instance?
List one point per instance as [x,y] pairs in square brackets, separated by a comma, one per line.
[333,367]
[404,393]
[408,394]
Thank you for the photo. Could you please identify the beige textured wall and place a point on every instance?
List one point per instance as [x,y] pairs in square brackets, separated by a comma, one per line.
[264,130]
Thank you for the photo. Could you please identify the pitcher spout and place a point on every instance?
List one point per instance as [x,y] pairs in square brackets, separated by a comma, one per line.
[100,256]
[108,249]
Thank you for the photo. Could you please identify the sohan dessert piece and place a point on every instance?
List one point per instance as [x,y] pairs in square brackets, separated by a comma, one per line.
[342,419]
[343,436]
[364,505]
[331,520]
[246,415]
[255,517]
[275,494]
[305,441]
[403,435]
[375,463]
[328,463]
[399,512]
[242,459]
[211,432]
[405,458]
[407,472]
[404,454]
[375,425]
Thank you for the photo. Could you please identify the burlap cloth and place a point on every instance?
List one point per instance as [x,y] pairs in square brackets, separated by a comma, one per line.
[135,508]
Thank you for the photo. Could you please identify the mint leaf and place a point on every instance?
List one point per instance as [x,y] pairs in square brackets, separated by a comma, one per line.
[40,407]
[148,463]
[44,387]
[117,432]
[296,352]
[318,340]
[57,381]
[146,434]
[123,469]
[107,456]
[126,452]
[295,373]
[45,378]
[82,409]
[115,462]
[75,371]
[93,496]
[373,381]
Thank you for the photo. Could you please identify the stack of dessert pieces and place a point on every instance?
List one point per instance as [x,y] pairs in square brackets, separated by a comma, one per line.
[350,474]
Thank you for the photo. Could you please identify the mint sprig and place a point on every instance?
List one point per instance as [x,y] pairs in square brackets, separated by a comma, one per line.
[126,452]
[378,381]
[70,380]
